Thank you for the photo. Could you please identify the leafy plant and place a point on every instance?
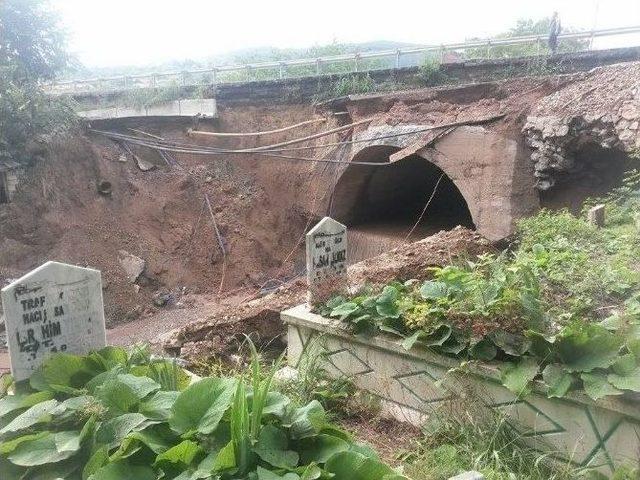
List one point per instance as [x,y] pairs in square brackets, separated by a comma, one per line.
[563,308]
[115,414]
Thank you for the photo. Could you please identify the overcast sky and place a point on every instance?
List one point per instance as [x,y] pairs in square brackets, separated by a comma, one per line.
[140,32]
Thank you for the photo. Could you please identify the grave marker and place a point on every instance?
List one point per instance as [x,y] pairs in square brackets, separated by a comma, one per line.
[326,260]
[54,308]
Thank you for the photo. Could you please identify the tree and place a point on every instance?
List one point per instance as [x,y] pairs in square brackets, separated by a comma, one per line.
[32,50]
[525,27]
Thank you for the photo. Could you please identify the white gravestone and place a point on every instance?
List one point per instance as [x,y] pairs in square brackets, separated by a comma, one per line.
[54,308]
[326,260]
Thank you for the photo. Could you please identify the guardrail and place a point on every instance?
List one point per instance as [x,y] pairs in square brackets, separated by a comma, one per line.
[345,63]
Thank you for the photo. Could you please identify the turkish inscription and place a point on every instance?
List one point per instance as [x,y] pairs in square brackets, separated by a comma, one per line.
[54,308]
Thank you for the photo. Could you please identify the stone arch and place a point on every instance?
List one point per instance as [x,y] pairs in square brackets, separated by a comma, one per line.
[487,172]
[392,197]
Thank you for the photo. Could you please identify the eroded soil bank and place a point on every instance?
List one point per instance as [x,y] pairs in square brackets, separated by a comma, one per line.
[263,205]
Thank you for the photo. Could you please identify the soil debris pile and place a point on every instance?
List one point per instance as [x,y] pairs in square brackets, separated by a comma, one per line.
[221,333]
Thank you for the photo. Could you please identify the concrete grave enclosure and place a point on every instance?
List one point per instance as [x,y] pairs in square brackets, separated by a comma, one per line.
[419,385]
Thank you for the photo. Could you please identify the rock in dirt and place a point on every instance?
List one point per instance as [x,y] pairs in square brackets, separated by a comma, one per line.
[132,265]
[143,164]
[161,299]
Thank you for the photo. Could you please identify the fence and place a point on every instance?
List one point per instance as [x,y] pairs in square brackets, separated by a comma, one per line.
[345,63]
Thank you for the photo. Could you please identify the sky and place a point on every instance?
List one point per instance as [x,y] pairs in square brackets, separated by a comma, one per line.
[146,32]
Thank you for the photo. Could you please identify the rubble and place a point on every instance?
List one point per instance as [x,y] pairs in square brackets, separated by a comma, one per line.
[221,333]
[601,107]
[132,265]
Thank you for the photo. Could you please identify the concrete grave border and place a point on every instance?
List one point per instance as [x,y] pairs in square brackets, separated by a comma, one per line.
[415,385]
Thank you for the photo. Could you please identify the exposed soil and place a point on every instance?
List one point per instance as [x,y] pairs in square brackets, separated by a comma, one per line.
[218,334]
[262,207]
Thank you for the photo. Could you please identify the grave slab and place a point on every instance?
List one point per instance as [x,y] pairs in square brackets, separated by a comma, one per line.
[326,260]
[54,308]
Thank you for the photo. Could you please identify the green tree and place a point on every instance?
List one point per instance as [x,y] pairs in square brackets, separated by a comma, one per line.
[525,27]
[32,50]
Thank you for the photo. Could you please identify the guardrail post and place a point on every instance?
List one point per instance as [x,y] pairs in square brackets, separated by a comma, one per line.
[126,81]
[214,75]
[248,72]
[488,48]
[318,66]
[398,53]
[154,80]
[356,57]
[281,70]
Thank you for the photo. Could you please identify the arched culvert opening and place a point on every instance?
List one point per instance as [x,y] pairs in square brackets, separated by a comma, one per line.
[596,171]
[381,204]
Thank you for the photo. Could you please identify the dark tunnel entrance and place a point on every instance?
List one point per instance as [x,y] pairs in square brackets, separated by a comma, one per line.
[382,204]
[596,172]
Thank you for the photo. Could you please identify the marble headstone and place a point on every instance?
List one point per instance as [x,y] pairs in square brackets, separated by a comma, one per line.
[326,260]
[54,308]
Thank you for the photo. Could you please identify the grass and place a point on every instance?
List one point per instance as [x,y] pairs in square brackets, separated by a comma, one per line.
[492,447]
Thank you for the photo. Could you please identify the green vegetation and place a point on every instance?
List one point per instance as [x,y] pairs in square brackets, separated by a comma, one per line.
[353,84]
[31,50]
[563,307]
[113,415]
[494,448]
[431,73]
[523,28]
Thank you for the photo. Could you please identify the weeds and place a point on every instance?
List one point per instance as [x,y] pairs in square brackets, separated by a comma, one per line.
[431,74]
[493,447]
[353,84]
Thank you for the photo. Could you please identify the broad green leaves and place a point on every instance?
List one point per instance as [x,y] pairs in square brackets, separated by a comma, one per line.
[587,347]
[123,469]
[272,447]
[597,386]
[201,406]
[40,413]
[113,431]
[356,466]
[517,377]
[50,448]
[557,379]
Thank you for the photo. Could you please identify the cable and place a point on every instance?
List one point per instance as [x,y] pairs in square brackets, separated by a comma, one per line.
[218,150]
[255,134]
[201,150]
[406,239]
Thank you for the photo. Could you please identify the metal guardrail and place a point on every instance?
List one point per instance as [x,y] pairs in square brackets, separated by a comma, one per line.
[352,62]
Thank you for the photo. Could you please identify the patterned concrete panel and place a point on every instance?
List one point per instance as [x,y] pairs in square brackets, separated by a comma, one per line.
[414,385]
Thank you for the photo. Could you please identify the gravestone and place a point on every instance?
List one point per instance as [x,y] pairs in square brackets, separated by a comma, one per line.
[326,260]
[54,308]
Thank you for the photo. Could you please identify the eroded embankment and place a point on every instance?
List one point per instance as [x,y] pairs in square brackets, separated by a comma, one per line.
[263,205]
[157,215]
